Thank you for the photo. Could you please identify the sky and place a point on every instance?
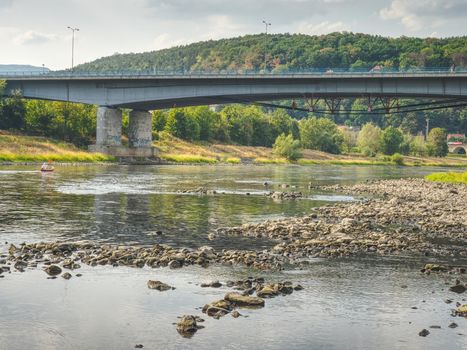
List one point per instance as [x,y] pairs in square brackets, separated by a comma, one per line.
[35,31]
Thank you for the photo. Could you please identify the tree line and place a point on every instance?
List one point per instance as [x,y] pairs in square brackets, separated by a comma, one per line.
[294,51]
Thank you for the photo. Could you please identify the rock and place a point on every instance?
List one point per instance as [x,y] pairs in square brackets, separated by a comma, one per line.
[424,333]
[267,291]
[53,270]
[139,346]
[158,285]
[458,288]
[187,326]
[236,314]
[298,287]
[67,275]
[215,284]
[175,264]
[242,300]
[212,236]
[462,310]
[220,307]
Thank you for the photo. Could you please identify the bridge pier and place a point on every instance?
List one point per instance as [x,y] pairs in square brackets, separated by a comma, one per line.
[109,127]
[109,133]
[140,129]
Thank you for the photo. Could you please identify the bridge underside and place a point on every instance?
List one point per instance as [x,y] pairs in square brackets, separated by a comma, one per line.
[252,98]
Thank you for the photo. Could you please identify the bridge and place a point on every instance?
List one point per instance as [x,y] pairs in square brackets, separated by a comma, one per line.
[145,91]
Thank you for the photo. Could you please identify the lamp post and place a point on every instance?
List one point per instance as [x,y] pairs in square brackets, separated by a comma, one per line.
[267,24]
[73,30]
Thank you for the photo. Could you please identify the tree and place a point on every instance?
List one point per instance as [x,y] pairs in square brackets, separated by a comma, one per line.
[159,120]
[391,140]
[320,134]
[369,139]
[286,146]
[12,112]
[181,125]
[437,145]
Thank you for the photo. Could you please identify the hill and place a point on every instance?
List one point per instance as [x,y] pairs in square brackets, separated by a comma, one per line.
[21,68]
[294,51]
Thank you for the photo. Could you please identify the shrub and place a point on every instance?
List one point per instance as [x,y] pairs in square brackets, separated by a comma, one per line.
[397,158]
[286,146]
[437,145]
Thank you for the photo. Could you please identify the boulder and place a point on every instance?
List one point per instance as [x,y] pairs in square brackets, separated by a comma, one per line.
[187,326]
[462,310]
[158,285]
[53,270]
[243,300]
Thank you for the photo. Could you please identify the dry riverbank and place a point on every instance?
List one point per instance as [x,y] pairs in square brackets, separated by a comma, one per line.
[410,216]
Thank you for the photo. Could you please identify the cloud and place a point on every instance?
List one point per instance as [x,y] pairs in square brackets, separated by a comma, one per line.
[416,15]
[278,11]
[32,37]
[5,3]
[322,28]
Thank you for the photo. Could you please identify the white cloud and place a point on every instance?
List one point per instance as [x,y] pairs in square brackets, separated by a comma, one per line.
[322,28]
[32,37]
[420,14]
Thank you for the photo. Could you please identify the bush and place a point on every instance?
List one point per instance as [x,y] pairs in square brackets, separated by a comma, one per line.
[286,146]
[418,146]
[437,145]
[397,158]
[369,139]
[391,140]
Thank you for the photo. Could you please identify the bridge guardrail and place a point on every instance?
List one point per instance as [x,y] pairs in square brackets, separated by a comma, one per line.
[239,73]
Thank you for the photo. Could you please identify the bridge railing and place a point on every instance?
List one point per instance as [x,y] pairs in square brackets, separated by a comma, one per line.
[274,72]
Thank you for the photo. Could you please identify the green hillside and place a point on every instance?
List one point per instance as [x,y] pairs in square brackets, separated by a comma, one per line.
[294,51]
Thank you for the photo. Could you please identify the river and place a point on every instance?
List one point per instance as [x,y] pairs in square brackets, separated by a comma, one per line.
[346,304]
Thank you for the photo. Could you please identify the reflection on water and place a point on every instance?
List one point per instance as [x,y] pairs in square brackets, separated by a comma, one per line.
[346,304]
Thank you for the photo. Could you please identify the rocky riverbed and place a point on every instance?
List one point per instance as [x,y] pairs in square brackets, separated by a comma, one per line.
[410,216]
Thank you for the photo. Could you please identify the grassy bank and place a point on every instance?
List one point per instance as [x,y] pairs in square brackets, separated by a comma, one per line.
[15,148]
[180,151]
[448,177]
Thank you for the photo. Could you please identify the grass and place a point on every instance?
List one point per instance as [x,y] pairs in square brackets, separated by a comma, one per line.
[176,150]
[271,161]
[233,160]
[18,148]
[187,158]
[448,177]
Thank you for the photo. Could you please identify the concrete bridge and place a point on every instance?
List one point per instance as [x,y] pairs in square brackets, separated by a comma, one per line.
[144,92]
[458,149]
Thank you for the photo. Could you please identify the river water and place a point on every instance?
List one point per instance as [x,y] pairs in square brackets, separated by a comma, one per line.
[346,304]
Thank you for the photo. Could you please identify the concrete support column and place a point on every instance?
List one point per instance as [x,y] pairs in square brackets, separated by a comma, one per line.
[140,129]
[109,127]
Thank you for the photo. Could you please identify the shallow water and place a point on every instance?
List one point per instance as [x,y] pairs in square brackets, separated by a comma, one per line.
[346,304]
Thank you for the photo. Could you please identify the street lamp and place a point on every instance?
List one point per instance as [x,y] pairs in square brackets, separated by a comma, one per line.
[267,24]
[73,30]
